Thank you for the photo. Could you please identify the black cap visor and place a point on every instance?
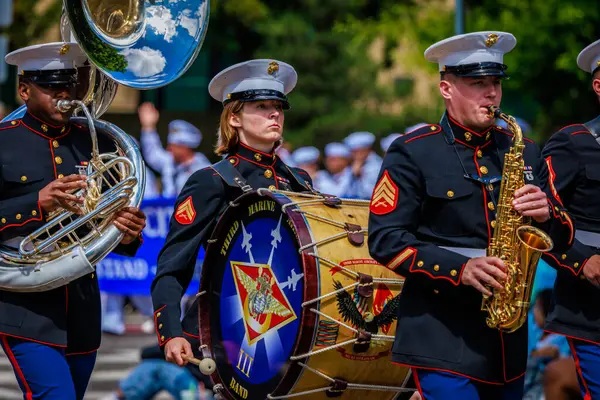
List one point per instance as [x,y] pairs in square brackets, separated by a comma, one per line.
[258,95]
[478,69]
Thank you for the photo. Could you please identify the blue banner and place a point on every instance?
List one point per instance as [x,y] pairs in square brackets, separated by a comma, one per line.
[133,275]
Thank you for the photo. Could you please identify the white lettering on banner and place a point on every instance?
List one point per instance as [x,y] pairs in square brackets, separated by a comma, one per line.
[123,269]
[157,221]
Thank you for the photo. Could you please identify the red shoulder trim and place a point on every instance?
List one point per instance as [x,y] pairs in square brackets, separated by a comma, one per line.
[16,122]
[424,131]
[574,129]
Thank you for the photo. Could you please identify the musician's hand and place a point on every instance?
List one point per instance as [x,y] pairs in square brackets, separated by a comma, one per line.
[530,201]
[591,270]
[175,348]
[482,271]
[59,194]
[149,116]
[131,221]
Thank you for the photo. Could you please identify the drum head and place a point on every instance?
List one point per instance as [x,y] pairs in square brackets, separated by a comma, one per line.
[251,314]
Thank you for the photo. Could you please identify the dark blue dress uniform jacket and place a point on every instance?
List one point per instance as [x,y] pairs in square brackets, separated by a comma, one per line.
[573,158]
[423,201]
[209,195]
[32,155]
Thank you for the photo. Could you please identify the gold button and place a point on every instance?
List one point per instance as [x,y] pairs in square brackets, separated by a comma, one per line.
[13,122]
[268,173]
[479,153]
[420,264]
[3,220]
[576,265]
[231,160]
[257,157]
[34,213]
[436,291]
[58,160]
[272,187]
[488,136]
[582,277]
[493,224]
[556,208]
[62,131]
[157,315]
[564,256]
[162,338]
[491,206]
[160,326]
[60,176]
[450,193]
[483,169]
[55,144]
[432,128]
[453,272]
[490,187]
[44,128]
[93,275]
[18,216]
[468,136]
[436,268]
[23,178]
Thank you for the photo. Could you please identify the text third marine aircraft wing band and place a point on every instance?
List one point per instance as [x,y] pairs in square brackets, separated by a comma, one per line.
[421,292]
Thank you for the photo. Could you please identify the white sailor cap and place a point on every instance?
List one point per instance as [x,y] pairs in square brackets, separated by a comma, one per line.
[386,142]
[337,149]
[473,54]
[183,133]
[254,80]
[49,63]
[306,155]
[589,58]
[359,140]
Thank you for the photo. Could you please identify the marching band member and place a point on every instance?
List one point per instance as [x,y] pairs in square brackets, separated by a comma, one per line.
[572,156]
[432,215]
[50,337]
[365,164]
[179,161]
[253,95]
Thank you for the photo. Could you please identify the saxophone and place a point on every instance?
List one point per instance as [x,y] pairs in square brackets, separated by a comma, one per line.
[518,244]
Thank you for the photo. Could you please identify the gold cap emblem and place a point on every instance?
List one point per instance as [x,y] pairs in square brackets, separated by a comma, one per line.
[273,67]
[64,49]
[491,40]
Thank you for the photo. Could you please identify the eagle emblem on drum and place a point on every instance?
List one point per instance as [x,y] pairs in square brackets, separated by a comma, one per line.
[264,304]
[367,320]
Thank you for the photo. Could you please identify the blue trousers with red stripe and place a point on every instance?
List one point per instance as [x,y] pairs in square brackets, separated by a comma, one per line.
[438,385]
[46,372]
[587,360]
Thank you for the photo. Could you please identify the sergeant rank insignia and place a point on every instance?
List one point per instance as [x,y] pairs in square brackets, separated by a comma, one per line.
[385,196]
[264,304]
[185,213]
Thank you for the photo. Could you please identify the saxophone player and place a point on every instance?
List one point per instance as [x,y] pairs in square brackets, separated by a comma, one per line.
[432,215]
[50,337]
[573,155]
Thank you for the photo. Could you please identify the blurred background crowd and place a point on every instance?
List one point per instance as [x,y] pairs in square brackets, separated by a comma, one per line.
[363,82]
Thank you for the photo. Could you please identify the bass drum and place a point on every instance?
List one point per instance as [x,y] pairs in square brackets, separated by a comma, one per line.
[291,304]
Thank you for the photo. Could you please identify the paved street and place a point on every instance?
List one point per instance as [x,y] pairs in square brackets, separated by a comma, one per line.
[117,356]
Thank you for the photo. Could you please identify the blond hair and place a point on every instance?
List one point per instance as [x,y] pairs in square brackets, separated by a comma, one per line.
[227,135]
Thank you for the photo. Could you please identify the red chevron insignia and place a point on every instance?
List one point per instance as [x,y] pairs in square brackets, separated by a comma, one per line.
[385,196]
[185,213]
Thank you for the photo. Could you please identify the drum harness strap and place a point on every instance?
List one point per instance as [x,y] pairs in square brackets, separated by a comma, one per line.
[365,287]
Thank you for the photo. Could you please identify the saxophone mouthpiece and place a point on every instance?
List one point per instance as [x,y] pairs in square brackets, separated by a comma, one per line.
[494,111]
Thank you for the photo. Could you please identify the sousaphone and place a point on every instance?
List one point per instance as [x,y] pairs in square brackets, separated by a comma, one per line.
[139,44]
